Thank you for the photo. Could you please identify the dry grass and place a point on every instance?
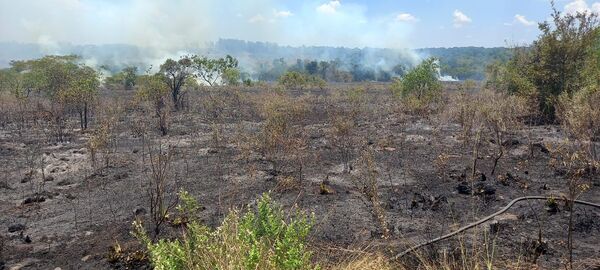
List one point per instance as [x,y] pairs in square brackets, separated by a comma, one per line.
[366,262]
[580,117]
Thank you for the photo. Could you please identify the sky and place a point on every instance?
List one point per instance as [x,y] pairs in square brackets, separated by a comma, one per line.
[172,24]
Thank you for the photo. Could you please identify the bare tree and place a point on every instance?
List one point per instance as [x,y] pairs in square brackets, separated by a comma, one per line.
[159,185]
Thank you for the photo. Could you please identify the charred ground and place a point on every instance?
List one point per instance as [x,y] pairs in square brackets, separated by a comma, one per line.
[63,208]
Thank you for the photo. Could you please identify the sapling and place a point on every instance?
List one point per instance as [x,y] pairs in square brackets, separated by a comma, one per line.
[367,184]
[159,162]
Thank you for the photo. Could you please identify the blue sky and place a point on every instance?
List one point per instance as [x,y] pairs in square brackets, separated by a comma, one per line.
[172,24]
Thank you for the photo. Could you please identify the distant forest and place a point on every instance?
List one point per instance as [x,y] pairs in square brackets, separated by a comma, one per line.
[363,64]
[467,62]
[268,61]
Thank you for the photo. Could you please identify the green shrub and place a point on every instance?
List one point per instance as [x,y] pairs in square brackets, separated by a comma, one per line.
[247,82]
[298,80]
[316,82]
[260,239]
[231,76]
[420,82]
[293,80]
[562,60]
[420,87]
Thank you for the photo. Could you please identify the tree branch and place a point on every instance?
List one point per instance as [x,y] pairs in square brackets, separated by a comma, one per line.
[481,221]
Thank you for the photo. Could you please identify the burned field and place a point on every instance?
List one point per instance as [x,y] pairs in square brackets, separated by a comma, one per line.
[378,175]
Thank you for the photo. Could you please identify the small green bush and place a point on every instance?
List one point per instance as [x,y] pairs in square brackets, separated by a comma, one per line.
[231,77]
[420,87]
[293,80]
[259,239]
[316,82]
[247,82]
[421,82]
[299,81]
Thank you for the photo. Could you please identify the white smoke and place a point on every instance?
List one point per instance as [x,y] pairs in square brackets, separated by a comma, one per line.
[168,26]
[163,29]
[447,78]
[444,78]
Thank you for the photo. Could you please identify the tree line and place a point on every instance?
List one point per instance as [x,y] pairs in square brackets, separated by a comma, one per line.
[71,85]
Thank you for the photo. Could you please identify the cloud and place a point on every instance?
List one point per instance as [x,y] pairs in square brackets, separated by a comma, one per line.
[577,6]
[460,18]
[522,20]
[405,17]
[329,8]
[283,13]
[581,6]
[596,8]
[257,18]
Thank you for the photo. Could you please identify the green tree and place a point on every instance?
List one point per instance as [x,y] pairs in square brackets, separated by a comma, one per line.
[60,78]
[48,75]
[125,78]
[129,77]
[13,82]
[325,69]
[213,70]
[152,89]
[174,74]
[231,76]
[557,62]
[4,76]
[82,91]
[311,67]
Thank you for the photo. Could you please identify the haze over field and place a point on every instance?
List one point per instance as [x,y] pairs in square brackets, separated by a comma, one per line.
[115,34]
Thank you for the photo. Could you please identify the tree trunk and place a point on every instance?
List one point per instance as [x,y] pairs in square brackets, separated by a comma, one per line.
[81,119]
[85,115]
[570,233]
[500,152]
[476,153]
[175,94]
